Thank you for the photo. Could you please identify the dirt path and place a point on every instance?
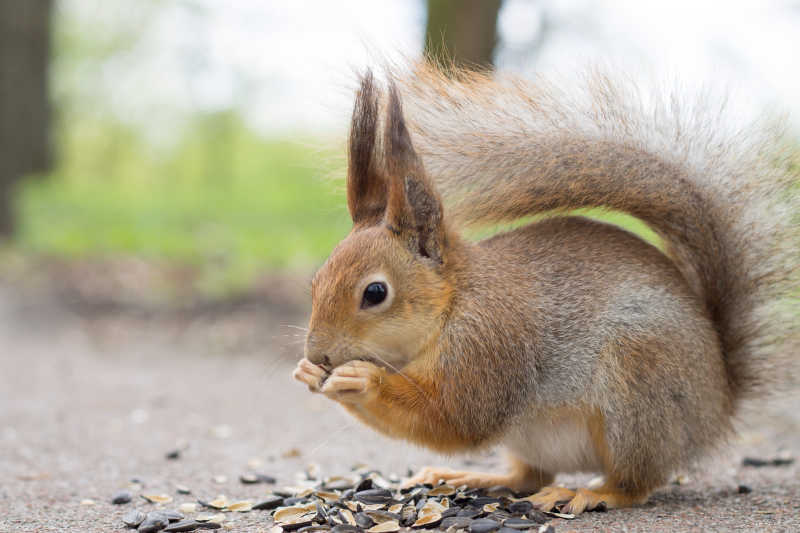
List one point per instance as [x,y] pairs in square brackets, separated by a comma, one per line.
[87,405]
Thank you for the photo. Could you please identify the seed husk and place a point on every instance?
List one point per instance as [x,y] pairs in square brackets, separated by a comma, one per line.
[220,502]
[188,507]
[208,517]
[241,507]
[565,516]
[428,521]
[328,497]
[133,518]
[348,517]
[314,529]
[121,496]
[382,516]
[483,525]
[182,489]
[385,527]
[490,507]
[157,498]
[288,514]
[442,490]
[396,508]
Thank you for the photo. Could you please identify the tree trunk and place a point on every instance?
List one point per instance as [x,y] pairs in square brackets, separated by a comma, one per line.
[24,104]
[461,32]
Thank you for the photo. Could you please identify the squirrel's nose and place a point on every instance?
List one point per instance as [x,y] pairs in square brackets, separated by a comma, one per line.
[314,352]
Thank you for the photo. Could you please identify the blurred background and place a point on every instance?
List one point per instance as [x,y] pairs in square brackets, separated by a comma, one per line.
[170,177]
[176,151]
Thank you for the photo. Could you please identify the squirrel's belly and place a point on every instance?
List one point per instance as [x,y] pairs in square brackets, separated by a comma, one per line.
[553,443]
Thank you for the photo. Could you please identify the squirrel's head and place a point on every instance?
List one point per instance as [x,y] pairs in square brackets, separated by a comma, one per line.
[382,294]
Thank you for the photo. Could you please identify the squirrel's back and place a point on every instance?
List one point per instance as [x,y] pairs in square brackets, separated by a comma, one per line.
[499,148]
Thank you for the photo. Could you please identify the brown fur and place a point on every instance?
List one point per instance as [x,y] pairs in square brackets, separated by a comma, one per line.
[573,343]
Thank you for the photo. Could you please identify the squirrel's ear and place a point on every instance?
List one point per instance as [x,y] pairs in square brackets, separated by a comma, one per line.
[414,209]
[366,187]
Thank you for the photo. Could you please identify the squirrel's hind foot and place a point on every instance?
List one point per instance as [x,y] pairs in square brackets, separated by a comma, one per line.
[580,500]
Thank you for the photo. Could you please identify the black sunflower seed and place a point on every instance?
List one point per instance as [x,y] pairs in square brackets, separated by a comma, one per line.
[121,496]
[521,507]
[457,522]
[191,525]
[519,523]
[373,496]
[153,524]
[270,502]
[483,525]
[133,518]
[364,521]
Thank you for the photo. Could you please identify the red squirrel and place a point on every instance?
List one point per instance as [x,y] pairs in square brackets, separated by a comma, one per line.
[574,344]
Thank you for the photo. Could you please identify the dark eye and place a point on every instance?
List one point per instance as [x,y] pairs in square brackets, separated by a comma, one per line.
[374,294]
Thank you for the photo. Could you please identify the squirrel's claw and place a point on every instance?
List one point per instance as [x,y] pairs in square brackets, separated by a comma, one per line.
[310,374]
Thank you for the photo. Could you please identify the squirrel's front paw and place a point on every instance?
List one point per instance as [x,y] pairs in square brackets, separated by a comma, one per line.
[310,374]
[353,382]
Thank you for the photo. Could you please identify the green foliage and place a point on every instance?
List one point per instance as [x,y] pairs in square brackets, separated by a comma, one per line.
[223,199]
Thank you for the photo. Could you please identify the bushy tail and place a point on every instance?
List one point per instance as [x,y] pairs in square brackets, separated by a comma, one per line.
[724,202]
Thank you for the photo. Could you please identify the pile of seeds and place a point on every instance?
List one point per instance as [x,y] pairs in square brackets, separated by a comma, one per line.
[363,502]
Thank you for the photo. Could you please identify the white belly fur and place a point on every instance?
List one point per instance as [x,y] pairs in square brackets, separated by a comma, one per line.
[553,444]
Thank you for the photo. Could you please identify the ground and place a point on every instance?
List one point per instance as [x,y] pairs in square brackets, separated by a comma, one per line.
[90,398]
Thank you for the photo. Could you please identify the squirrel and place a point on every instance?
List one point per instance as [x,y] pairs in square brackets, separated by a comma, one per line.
[572,343]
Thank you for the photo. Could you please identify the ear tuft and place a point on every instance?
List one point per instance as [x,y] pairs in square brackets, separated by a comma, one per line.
[414,209]
[366,188]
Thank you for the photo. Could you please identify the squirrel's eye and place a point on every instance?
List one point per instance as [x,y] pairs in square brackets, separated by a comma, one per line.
[374,294]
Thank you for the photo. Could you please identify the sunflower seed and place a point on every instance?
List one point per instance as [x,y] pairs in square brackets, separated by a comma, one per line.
[182,489]
[519,523]
[519,507]
[364,521]
[173,454]
[121,496]
[153,524]
[172,516]
[133,518]
[373,496]
[483,525]
[456,522]
[270,502]
[314,529]
[191,525]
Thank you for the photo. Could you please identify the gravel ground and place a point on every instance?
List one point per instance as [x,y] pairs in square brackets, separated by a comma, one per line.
[88,404]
